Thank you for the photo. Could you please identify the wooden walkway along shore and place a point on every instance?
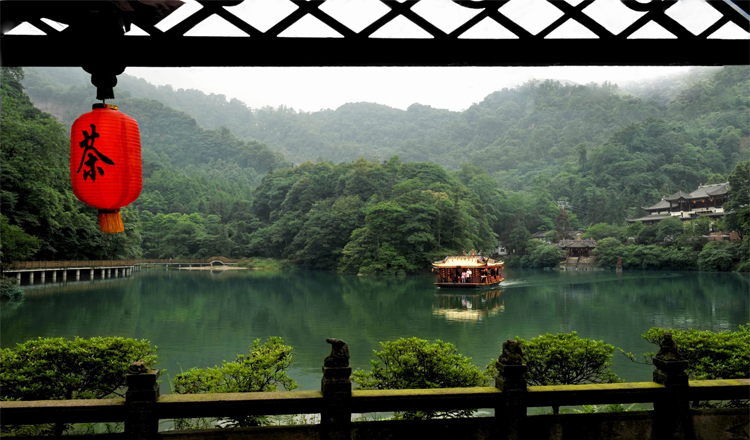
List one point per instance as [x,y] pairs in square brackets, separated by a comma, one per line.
[28,272]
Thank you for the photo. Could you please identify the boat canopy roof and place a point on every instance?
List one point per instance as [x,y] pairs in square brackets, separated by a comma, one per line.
[467,261]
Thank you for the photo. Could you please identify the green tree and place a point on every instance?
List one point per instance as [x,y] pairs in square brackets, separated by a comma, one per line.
[710,355]
[719,255]
[669,229]
[738,205]
[546,256]
[264,368]
[9,290]
[601,231]
[647,235]
[412,363]
[517,240]
[16,245]
[634,229]
[607,252]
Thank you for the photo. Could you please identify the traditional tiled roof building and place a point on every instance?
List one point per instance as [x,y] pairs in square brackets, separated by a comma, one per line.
[707,200]
[578,247]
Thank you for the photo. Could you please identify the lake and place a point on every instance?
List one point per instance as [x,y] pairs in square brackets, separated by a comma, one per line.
[199,319]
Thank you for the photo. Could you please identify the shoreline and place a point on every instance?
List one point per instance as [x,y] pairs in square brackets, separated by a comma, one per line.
[213,268]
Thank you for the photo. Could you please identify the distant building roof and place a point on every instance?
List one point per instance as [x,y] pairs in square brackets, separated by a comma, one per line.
[659,217]
[649,218]
[678,195]
[661,205]
[716,190]
[703,192]
[588,243]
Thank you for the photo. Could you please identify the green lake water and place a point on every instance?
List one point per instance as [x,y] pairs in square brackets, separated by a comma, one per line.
[199,319]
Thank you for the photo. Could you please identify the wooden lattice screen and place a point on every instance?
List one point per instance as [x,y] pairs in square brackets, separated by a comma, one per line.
[82,42]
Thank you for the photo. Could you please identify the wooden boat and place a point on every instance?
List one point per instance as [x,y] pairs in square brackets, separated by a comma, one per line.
[484,271]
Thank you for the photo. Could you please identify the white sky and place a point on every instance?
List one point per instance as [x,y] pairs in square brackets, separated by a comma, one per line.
[454,88]
[315,88]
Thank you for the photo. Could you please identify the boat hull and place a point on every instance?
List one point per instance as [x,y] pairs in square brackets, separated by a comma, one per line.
[466,285]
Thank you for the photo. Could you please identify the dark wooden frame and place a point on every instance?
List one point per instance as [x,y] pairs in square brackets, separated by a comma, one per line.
[74,47]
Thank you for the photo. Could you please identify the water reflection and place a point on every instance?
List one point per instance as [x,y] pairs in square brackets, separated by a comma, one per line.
[200,318]
[468,307]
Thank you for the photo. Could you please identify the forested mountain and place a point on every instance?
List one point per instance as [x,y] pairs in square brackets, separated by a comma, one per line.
[197,179]
[366,217]
[513,155]
[514,134]
[39,215]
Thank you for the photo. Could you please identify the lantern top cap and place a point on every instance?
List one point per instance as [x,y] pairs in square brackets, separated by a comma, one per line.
[99,105]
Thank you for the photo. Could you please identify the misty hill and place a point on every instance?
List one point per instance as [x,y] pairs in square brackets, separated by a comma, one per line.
[209,191]
[597,145]
[528,126]
[196,181]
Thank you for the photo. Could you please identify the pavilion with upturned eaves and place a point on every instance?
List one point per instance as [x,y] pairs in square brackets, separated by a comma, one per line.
[707,200]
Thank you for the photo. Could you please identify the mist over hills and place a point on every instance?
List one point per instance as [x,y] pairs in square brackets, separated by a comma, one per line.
[539,128]
[217,176]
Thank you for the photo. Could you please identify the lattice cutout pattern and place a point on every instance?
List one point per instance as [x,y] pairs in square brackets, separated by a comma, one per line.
[442,19]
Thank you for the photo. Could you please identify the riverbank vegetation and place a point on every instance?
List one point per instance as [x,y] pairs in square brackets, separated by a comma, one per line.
[9,290]
[264,264]
[390,190]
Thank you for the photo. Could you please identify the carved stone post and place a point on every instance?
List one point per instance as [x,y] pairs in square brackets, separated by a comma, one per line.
[140,402]
[511,414]
[336,416]
[671,415]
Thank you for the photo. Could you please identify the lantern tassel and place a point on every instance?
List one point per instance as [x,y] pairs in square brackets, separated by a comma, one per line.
[110,222]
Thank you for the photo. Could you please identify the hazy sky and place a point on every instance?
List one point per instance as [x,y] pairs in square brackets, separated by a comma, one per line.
[315,88]
[455,88]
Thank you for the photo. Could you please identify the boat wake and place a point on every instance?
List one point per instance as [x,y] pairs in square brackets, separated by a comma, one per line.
[513,283]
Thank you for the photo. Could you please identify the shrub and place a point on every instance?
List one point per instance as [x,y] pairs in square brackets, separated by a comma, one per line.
[56,368]
[719,255]
[9,291]
[607,251]
[265,264]
[601,231]
[546,256]
[565,359]
[710,355]
[669,229]
[413,363]
[263,369]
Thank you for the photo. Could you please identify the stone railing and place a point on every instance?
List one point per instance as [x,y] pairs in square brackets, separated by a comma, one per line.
[670,394]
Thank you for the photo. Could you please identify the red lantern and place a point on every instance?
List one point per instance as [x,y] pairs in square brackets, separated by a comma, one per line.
[105,163]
